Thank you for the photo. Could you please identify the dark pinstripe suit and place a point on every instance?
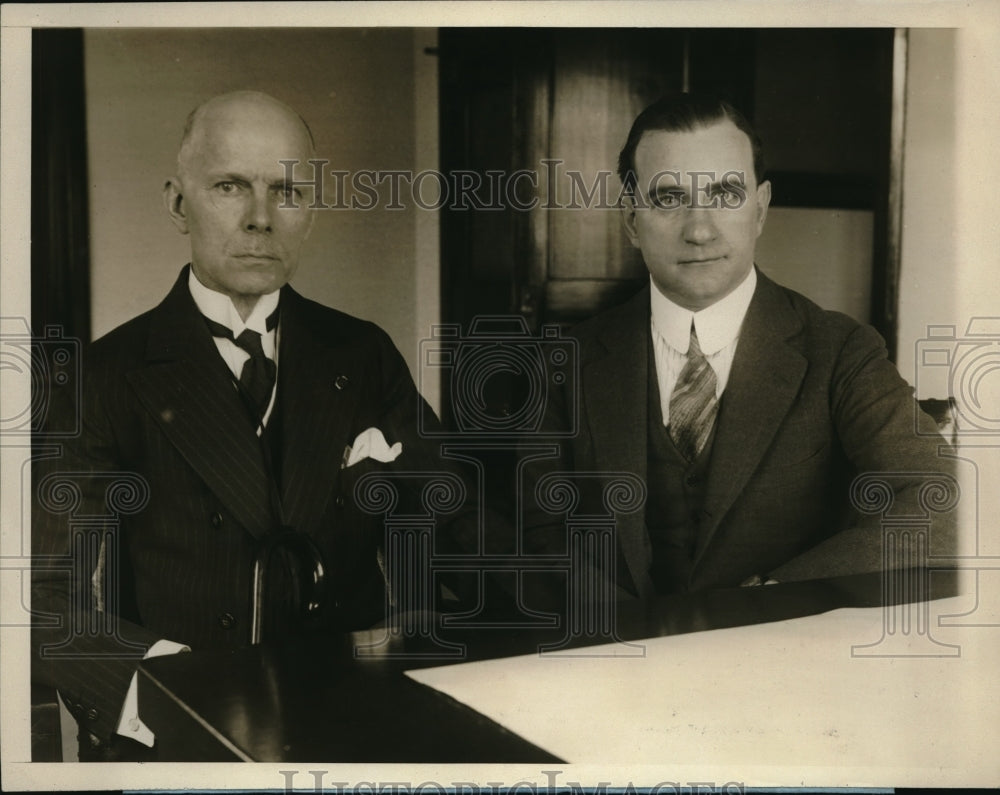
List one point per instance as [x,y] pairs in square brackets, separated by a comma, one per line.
[159,401]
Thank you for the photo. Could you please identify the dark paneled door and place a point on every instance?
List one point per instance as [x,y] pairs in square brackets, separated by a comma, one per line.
[552,106]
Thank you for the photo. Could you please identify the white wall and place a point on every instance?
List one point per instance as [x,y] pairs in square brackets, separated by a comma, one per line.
[370,96]
[928,256]
[950,251]
[951,234]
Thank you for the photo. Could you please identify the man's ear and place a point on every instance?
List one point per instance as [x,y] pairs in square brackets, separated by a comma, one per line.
[763,202]
[628,210]
[173,200]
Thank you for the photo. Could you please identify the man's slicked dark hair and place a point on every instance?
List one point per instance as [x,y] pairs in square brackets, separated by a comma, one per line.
[685,113]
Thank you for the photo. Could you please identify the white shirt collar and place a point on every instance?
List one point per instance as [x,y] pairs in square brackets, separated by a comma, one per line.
[219,307]
[717,325]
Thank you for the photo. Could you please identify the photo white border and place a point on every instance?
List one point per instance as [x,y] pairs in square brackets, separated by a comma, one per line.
[977,18]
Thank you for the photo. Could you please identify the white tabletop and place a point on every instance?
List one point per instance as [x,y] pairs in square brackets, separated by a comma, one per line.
[795,703]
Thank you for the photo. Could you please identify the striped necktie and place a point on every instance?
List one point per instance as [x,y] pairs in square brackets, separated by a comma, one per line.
[693,404]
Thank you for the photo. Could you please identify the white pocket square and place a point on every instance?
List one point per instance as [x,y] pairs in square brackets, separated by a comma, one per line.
[371,444]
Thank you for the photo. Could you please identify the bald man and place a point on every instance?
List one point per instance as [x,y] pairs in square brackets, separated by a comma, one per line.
[230,414]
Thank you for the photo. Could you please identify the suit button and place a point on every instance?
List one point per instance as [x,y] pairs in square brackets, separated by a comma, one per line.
[339,501]
[92,714]
[227,621]
[691,480]
[216,520]
[695,517]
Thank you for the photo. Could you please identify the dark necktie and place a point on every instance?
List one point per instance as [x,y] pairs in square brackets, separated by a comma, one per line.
[257,376]
[693,404]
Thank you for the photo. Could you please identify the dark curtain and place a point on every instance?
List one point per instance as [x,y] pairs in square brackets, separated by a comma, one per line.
[60,273]
[60,245]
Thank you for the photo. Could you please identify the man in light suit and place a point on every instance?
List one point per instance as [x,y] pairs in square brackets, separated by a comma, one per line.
[228,410]
[744,408]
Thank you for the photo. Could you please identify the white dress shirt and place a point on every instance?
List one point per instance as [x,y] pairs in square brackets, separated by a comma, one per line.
[718,328]
[219,307]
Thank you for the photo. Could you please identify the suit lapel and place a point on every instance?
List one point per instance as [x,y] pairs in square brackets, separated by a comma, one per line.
[188,391]
[764,381]
[615,395]
[316,412]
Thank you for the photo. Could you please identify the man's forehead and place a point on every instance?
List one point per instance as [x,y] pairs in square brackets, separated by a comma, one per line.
[720,147]
[245,120]
[254,142]
[233,144]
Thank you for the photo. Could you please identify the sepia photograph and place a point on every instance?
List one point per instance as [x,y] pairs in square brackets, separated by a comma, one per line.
[468,398]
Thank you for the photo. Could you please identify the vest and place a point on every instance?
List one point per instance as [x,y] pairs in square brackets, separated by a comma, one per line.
[675,496]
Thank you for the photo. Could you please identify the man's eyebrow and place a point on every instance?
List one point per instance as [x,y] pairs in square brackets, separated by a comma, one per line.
[668,190]
[684,190]
[229,176]
[226,176]
[726,183]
